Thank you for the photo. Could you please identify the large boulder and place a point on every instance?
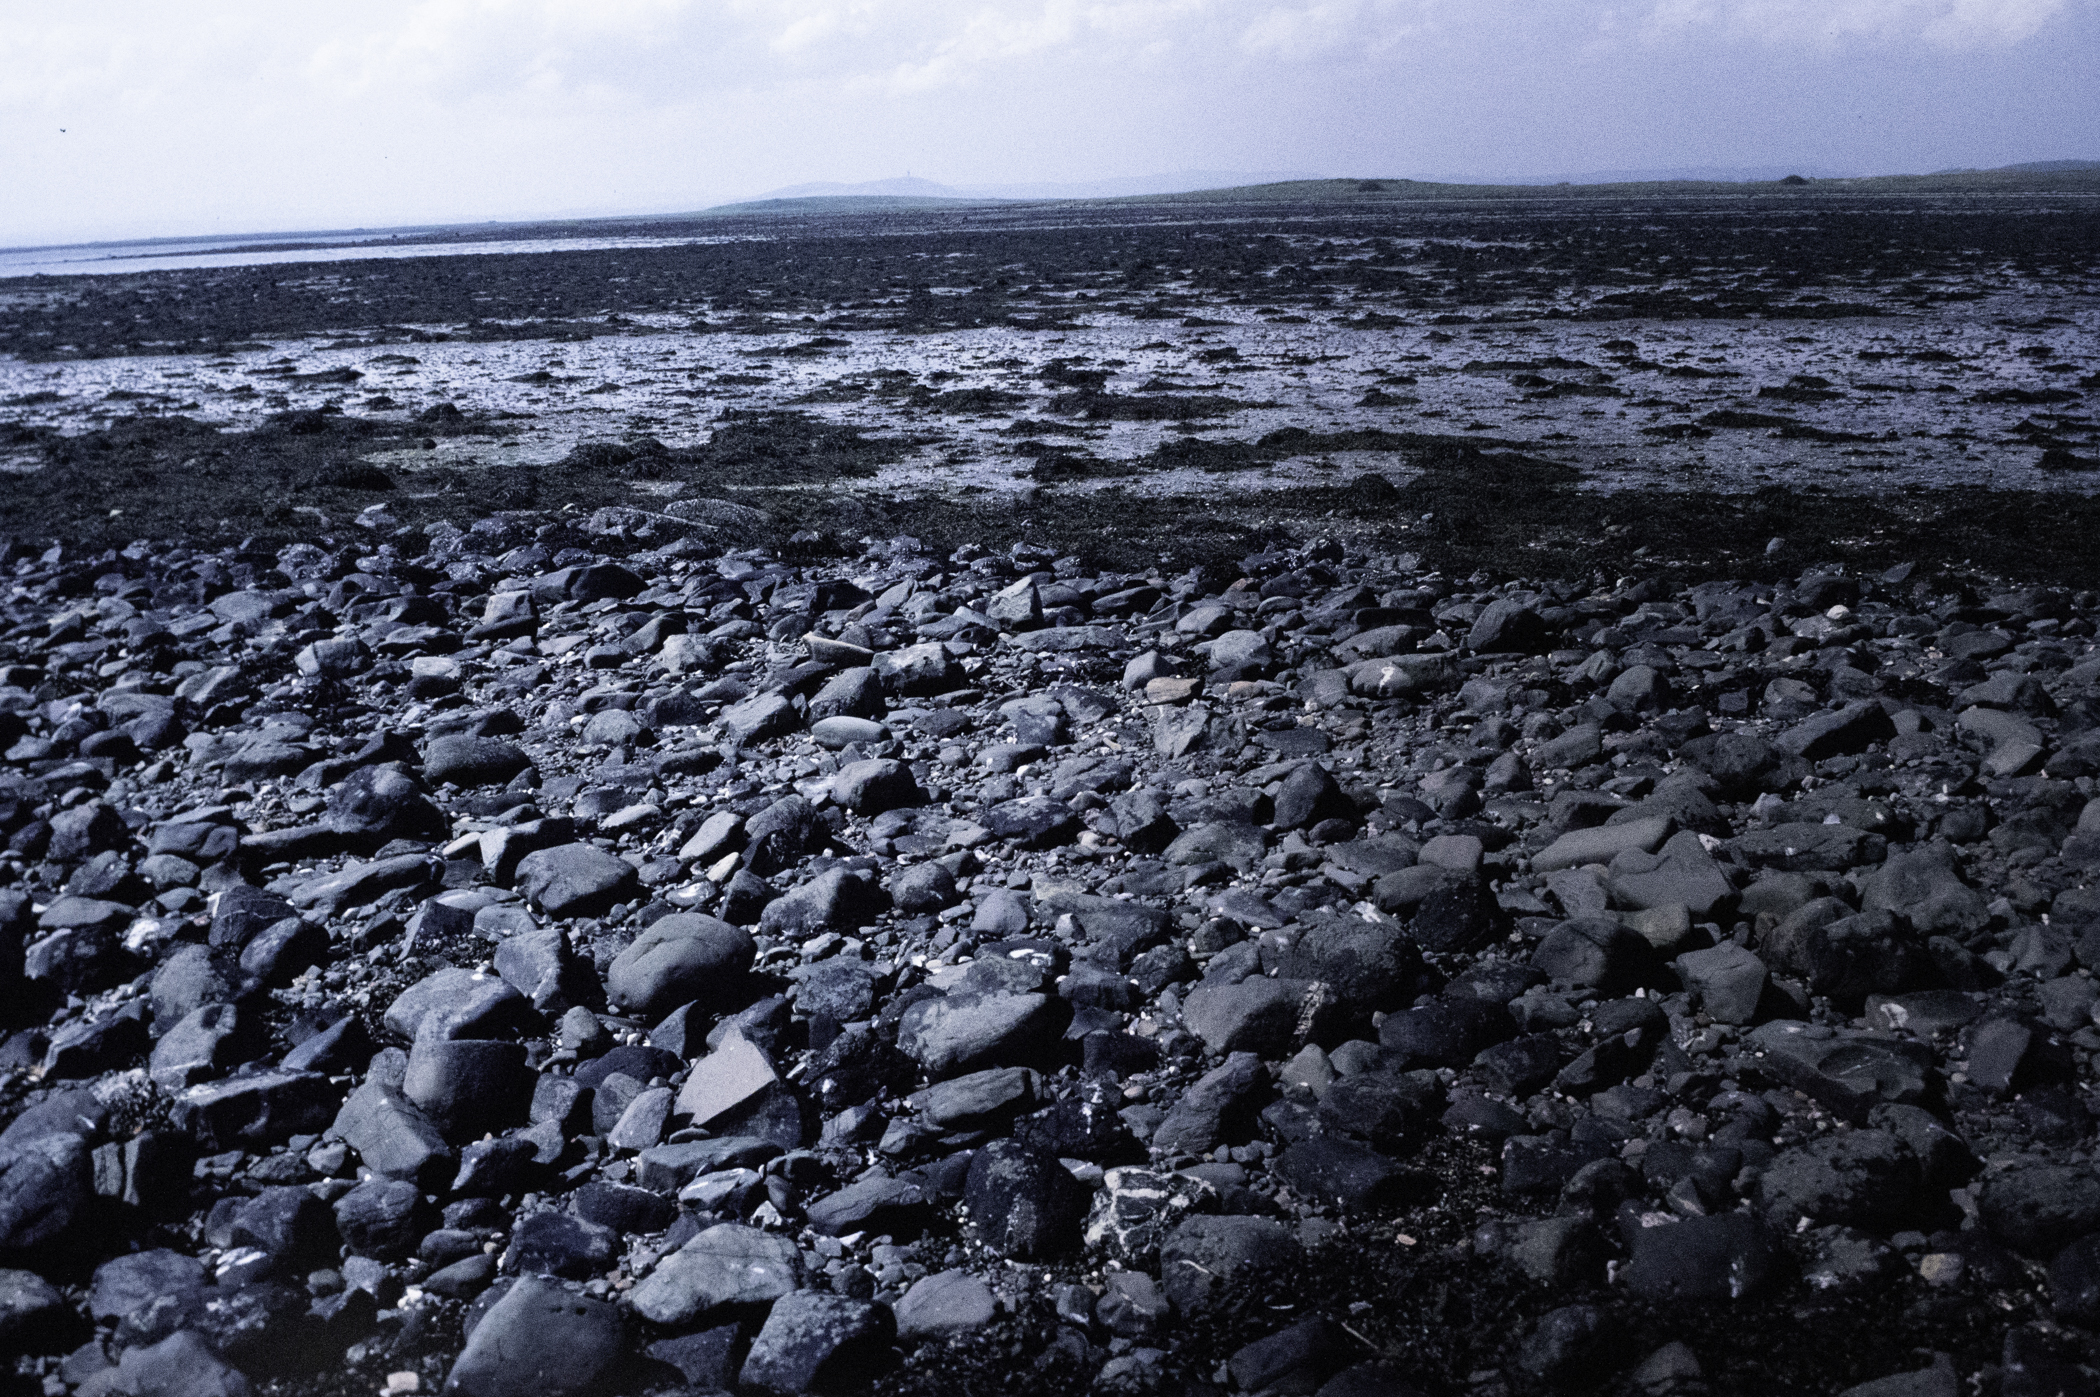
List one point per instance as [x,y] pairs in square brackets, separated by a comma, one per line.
[678,959]
[577,880]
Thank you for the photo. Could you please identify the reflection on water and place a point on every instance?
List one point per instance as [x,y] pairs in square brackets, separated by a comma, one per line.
[109,259]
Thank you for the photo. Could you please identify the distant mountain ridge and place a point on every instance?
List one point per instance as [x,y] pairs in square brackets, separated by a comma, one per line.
[913,187]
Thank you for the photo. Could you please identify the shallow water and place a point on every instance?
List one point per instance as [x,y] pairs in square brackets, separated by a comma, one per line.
[114,259]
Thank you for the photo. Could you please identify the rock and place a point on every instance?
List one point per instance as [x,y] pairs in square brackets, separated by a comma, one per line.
[181,1365]
[1602,844]
[2040,1209]
[468,1087]
[1727,979]
[1850,730]
[834,900]
[539,1340]
[685,957]
[456,1003]
[1220,1108]
[953,1035]
[577,880]
[1253,1016]
[870,787]
[1702,1260]
[1023,1203]
[381,1218]
[466,761]
[1206,1255]
[945,1304]
[1849,1072]
[723,1266]
[816,1342]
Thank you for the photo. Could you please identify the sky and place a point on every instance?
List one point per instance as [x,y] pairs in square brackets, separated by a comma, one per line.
[135,118]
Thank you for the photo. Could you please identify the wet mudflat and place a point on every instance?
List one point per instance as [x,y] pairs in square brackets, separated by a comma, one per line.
[1061,368]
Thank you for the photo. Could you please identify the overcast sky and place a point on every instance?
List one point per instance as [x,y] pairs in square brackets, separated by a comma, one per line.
[145,117]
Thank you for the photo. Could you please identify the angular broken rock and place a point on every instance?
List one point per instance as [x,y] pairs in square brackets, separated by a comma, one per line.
[723,1266]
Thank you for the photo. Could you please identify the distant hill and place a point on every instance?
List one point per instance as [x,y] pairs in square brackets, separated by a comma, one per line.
[911,187]
[2066,176]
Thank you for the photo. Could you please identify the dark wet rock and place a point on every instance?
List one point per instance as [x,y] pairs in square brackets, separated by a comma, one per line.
[726,1266]
[462,760]
[2038,1209]
[457,1003]
[951,1035]
[576,880]
[539,1340]
[1023,1203]
[557,1244]
[816,1342]
[1205,1256]
[943,1305]
[468,1087]
[381,1218]
[683,958]
[1703,1260]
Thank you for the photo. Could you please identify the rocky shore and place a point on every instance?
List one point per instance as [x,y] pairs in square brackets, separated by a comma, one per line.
[601,957]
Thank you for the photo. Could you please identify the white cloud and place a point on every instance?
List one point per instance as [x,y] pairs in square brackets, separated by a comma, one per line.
[1945,24]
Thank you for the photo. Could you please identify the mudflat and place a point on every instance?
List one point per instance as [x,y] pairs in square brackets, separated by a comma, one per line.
[1570,377]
